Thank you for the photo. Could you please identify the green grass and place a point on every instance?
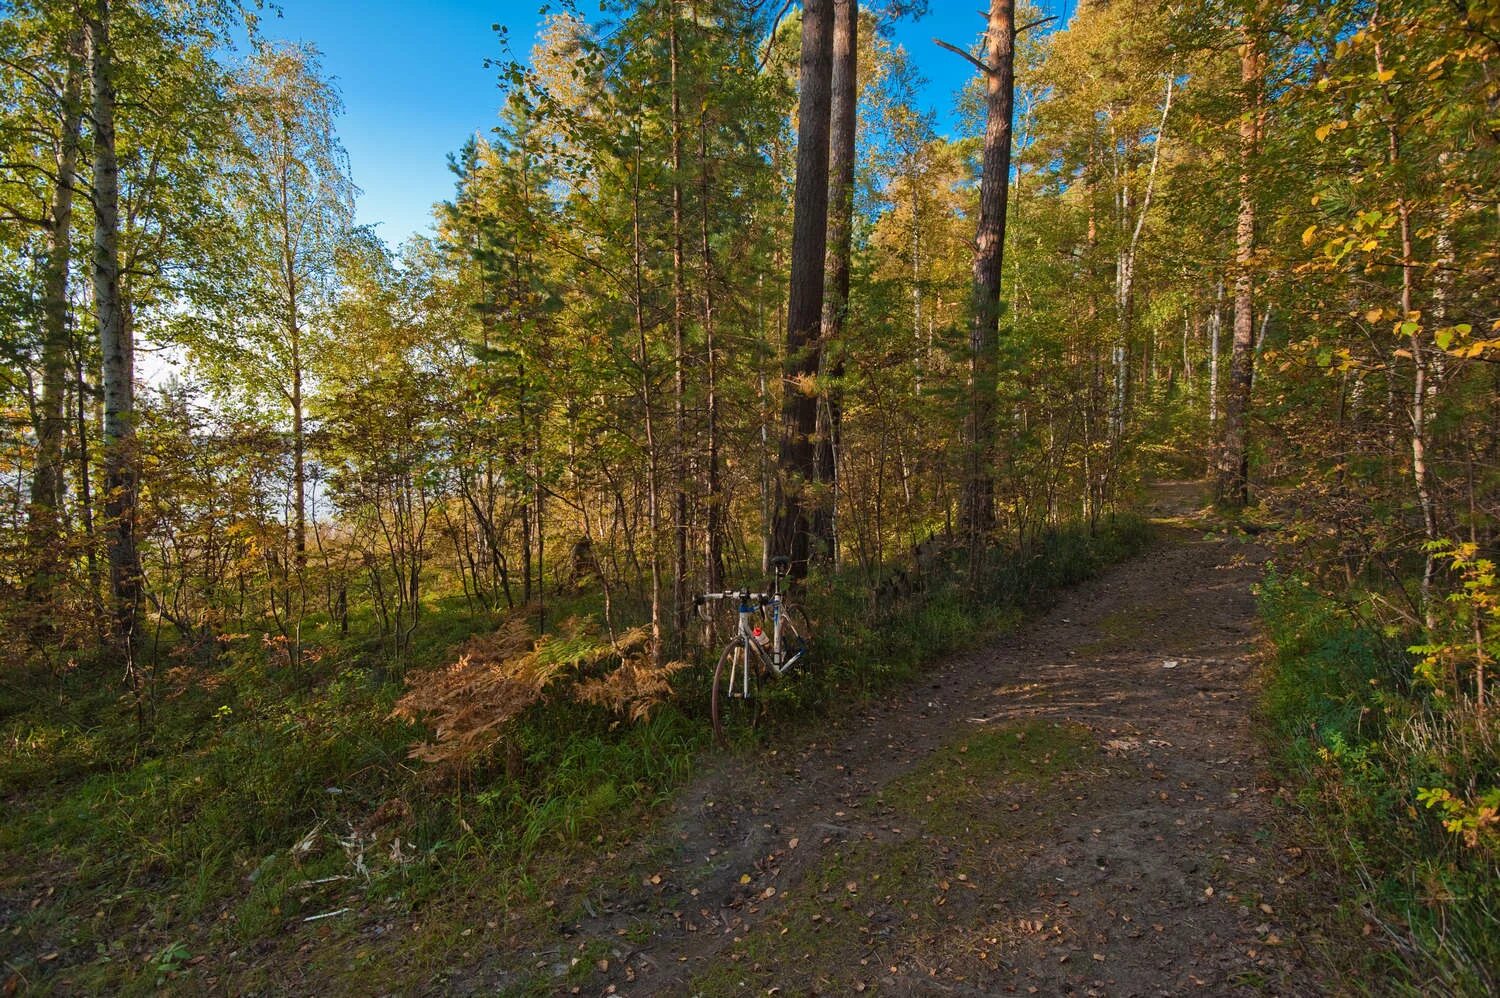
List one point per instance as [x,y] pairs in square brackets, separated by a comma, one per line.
[178,836]
[1356,742]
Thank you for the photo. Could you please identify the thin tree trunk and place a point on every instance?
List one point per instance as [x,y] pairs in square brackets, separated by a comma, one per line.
[763,405]
[81,393]
[1215,326]
[797,469]
[525,511]
[679,347]
[294,341]
[1125,266]
[914,184]
[539,500]
[115,343]
[715,528]
[1187,339]
[1124,312]
[844,109]
[1092,478]
[647,406]
[1421,477]
[1234,456]
[299,480]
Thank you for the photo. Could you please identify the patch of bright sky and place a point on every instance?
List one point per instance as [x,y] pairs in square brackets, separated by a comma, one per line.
[415,85]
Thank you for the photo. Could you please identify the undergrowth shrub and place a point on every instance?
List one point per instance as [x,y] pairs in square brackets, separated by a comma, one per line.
[1395,779]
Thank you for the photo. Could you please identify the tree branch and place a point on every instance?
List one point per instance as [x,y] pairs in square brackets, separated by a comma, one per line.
[771,38]
[1035,24]
[11,213]
[1161,135]
[958,51]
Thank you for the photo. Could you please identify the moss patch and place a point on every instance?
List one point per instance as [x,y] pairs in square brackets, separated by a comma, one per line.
[952,787]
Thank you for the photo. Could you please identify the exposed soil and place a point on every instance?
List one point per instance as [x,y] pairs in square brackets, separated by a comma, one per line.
[1078,807]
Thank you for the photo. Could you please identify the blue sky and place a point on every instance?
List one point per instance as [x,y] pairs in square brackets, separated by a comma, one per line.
[415,86]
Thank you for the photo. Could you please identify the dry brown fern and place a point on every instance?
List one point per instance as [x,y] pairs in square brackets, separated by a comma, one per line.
[467,702]
[498,676]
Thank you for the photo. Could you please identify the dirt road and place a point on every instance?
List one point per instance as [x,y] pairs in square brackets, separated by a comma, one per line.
[1075,808]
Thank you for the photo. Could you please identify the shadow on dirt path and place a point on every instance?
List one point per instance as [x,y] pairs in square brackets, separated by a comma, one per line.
[1075,808]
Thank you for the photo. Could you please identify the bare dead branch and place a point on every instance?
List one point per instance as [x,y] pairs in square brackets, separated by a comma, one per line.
[1035,24]
[771,36]
[958,51]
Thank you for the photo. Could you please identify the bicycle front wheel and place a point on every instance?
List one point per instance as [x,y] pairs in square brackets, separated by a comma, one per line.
[736,696]
[796,632]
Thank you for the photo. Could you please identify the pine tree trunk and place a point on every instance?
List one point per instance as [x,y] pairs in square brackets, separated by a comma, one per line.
[797,469]
[844,108]
[115,344]
[989,258]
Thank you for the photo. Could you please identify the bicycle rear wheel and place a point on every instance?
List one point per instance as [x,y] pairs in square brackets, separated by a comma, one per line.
[736,696]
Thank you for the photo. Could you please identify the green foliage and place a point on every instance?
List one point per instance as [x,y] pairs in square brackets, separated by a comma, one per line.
[1399,785]
[1474,820]
[1455,654]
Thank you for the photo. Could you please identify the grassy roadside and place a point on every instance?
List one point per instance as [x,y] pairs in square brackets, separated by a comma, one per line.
[1360,748]
[201,852]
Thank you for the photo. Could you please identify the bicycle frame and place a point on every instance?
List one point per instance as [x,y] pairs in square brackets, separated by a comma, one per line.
[774,659]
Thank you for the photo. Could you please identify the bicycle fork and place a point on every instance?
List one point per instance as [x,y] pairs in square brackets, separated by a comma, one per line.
[739,682]
[739,661]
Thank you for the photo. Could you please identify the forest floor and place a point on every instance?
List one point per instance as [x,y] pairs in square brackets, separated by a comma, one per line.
[1078,807]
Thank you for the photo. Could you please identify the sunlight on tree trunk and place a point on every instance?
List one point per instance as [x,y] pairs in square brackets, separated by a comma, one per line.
[798,487]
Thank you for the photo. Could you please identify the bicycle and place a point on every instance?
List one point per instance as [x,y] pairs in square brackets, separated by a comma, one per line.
[753,654]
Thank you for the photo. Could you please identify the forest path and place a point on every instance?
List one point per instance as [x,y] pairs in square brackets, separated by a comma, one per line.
[1077,807]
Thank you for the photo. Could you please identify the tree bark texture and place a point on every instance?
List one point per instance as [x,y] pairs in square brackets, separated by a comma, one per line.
[47,492]
[843,113]
[796,481]
[679,348]
[115,343]
[1234,455]
[989,258]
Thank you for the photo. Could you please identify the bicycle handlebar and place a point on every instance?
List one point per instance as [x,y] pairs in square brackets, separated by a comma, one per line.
[743,594]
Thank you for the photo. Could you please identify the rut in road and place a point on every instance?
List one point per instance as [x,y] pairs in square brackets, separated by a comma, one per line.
[1076,807]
